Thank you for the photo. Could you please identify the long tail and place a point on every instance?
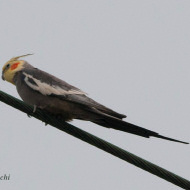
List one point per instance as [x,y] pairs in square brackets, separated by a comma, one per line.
[112,122]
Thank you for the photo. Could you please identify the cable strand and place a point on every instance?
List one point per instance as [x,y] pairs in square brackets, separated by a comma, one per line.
[95,141]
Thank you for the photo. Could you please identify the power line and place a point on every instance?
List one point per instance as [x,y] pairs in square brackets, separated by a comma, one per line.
[95,141]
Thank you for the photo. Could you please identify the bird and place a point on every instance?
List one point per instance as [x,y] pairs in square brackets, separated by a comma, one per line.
[47,92]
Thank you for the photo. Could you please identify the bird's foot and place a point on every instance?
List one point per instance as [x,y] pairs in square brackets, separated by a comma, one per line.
[34,110]
[29,115]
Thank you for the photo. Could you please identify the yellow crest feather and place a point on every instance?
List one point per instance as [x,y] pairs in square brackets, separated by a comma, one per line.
[18,57]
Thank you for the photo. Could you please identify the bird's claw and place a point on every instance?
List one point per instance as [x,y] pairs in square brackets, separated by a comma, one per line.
[34,110]
[29,115]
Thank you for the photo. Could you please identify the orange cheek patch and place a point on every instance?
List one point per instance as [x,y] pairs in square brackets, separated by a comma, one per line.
[14,66]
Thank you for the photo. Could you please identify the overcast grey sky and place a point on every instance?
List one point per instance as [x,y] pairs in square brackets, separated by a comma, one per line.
[132,56]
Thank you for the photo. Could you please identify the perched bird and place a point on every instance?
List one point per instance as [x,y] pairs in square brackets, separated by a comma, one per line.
[47,92]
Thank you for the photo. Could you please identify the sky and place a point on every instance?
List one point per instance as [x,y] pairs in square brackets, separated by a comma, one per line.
[130,55]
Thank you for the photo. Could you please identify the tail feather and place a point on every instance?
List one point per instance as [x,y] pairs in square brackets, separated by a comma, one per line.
[111,122]
[108,121]
[170,139]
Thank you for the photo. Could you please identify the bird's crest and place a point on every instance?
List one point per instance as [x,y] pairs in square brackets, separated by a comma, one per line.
[18,57]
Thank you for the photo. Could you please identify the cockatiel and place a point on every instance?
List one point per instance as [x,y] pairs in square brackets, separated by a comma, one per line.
[47,92]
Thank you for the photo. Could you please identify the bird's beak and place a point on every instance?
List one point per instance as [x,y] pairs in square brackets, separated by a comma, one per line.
[3,76]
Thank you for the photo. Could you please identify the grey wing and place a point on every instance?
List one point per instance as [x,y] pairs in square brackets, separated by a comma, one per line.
[86,101]
[52,81]
[50,85]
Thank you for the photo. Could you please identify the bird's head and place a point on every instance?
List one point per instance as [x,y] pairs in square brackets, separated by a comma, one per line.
[11,67]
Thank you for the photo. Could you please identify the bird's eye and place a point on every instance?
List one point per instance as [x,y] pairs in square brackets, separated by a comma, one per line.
[7,66]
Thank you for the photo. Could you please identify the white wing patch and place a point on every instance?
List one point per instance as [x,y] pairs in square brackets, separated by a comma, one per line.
[47,89]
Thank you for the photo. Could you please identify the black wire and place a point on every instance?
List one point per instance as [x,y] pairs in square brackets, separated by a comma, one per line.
[95,141]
